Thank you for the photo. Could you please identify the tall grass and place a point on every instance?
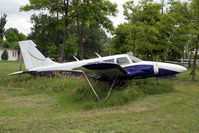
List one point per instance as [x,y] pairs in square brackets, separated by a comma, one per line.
[75,93]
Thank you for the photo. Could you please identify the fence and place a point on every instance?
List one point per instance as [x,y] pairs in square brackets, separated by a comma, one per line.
[10,66]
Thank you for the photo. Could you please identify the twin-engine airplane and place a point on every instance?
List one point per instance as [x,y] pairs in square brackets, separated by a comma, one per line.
[122,67]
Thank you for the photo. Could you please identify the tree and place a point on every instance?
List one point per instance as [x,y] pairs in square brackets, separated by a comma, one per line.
[195,32]
[12,36]
[2,25]
[141,34]
[151,34]
[69,11]
[1,41]
[6,44]
[59,8]
[46,34]
[126,38]
[179,37]
[89,12]
[72,47]
[94,40]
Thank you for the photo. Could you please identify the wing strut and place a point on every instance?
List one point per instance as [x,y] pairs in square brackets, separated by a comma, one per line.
[111,87]
[90,85]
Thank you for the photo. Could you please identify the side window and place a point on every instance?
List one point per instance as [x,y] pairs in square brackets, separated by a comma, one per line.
[123,61]
[110,60]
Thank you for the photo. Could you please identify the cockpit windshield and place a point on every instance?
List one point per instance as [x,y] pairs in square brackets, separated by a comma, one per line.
[133,58]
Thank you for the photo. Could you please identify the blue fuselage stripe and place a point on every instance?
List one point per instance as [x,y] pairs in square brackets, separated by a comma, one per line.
[145,71]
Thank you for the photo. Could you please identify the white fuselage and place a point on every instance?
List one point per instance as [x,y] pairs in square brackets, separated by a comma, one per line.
[76,64]
[35,62]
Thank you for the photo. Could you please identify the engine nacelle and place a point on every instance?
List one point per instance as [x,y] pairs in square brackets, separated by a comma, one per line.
[156,69]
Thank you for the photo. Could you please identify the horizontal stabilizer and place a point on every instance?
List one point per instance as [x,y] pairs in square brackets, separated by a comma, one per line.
[16,73]
[21,72]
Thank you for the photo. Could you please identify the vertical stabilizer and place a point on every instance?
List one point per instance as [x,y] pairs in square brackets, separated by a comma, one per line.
[32,57]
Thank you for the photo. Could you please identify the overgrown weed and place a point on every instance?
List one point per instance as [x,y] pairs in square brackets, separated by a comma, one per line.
[75,93]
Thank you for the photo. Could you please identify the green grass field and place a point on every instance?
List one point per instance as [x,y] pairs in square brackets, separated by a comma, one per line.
[42,105]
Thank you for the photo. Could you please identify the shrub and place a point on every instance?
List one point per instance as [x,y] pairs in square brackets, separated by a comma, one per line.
[4,56]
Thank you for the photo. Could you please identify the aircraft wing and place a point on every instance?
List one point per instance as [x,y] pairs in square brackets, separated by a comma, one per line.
[98,70]
[103,70]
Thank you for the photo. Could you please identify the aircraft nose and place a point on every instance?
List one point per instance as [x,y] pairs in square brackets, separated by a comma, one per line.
[181,68]
[172,68]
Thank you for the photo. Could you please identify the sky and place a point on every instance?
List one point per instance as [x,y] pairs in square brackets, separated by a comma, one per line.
[15,18]
[21,20]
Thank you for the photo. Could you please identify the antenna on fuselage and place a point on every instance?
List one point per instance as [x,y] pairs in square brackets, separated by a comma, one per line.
[75,58]
[97,54]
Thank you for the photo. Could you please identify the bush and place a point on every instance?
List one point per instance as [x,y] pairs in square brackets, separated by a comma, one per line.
[4,56]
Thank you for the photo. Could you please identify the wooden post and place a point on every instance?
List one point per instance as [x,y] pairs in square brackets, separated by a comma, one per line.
[20,59]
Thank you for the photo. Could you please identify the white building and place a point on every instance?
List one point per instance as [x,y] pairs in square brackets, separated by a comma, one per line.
[13,54]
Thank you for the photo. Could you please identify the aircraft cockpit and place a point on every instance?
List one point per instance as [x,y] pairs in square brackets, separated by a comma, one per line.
[123,60]
[109,60]
[134,59]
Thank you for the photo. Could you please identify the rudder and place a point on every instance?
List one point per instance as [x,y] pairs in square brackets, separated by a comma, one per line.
[32,57]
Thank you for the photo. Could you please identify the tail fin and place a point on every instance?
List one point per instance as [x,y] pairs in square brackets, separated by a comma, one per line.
[32,56]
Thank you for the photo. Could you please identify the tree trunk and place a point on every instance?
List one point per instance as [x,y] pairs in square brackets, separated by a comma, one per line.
[195,59]
[65,35]
[80,37]
[162,7]
[190,58]
[81,42]
[134,39]
[58,38]
[80,34]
